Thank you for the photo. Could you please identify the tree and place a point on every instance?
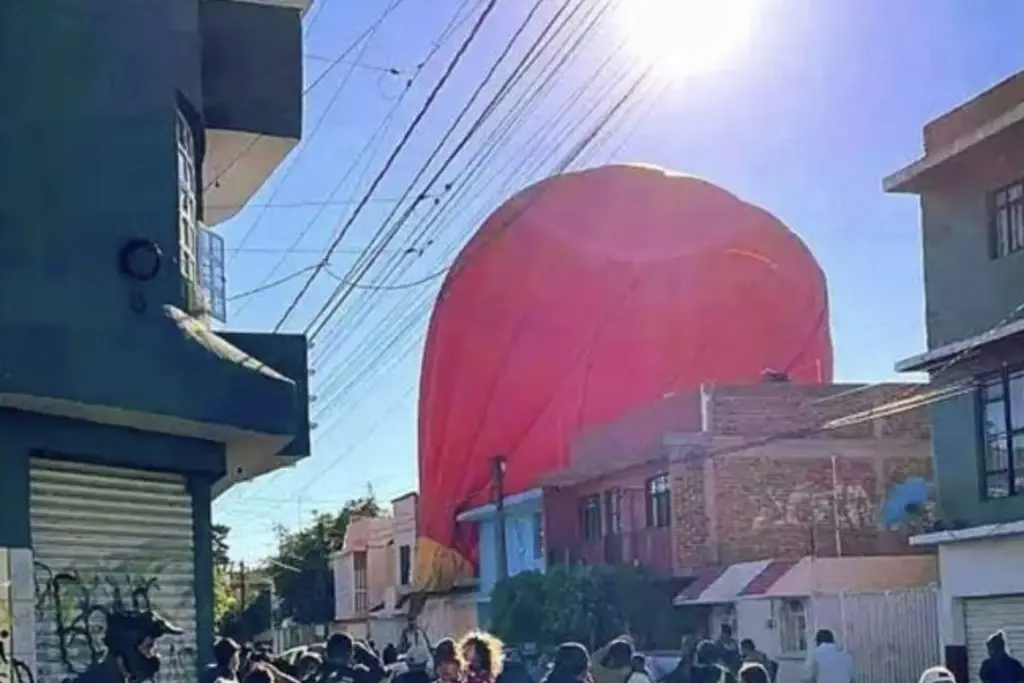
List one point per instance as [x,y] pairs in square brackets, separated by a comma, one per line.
[301,571]
[588,604]
[224,601]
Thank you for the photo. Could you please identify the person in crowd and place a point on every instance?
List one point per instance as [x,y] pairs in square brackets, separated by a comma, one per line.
[346,659]
[448,663]
[753,672]
[681,672]
[130,638]
[571,664]
[227,658]
[513,668]
[728,649]
[707,665]
[307,666]
[482,653]
[258,673]
[417,663]
[641,674]
[390,654]
[828,663]
[751,655]
[1000,667]
[937,674]
[613,663]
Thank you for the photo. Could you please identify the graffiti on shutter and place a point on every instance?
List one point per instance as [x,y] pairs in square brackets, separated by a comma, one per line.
[77,604]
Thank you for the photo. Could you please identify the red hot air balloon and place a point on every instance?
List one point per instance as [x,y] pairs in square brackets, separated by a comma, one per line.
[585,296]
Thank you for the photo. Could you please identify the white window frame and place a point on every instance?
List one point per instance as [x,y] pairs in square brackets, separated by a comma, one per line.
[792,618]
[188,212]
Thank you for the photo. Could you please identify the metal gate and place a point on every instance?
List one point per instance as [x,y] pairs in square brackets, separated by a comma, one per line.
[105,538]
[985,616]
[893,635]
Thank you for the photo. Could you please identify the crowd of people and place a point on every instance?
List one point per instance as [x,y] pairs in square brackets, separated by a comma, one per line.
[480,657]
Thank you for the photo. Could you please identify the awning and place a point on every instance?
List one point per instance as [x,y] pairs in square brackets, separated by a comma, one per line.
[942,354]
[832,575]
[808,576]
[723,587]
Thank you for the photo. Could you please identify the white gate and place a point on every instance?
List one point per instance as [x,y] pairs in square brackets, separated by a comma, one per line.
[892,635]
[105,537]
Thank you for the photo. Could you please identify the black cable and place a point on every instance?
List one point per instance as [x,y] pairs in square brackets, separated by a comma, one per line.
[391,159]
[332,306]
[366,39]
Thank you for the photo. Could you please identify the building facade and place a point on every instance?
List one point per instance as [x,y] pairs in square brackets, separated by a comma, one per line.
[129,130]
[522,517]
[971,193]
[374,579]
[764,503]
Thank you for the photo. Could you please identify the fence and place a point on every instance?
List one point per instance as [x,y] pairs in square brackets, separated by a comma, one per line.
[893,635]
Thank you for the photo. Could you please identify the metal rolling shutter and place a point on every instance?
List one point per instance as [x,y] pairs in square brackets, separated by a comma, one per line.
[985,616]
[101,536]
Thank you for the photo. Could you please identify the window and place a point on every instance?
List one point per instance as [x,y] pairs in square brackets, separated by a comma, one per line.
[613,512]
[362,598]
[1006,220]
[590,517]
[792,618]
[404,565]
[659,507]
[538,535]
[1002,424]
[188,217]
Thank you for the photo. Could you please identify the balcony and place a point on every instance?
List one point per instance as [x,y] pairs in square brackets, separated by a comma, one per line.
[651,548]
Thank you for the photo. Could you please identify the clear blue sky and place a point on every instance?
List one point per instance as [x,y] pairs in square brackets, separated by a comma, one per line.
[829,97]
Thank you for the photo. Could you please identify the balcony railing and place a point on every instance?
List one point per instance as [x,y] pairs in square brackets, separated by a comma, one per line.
[651,548]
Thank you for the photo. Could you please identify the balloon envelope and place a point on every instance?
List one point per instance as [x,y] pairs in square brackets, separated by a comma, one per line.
[587,295]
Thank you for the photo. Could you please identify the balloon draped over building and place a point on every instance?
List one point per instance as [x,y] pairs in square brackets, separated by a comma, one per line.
[585,296]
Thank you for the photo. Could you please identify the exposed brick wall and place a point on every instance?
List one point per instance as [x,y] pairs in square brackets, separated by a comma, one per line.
[690,526]
[971,115]
[770,503]
[760,410]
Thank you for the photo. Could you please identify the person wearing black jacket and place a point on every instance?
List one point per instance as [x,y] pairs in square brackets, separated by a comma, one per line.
[346,661]
[417,661]
[513,670]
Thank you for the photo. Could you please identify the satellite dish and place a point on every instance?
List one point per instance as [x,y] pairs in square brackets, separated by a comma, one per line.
[906,501]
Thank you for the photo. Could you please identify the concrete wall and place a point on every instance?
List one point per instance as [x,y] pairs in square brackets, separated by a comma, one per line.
[521,547]
[982,568]
[404,512]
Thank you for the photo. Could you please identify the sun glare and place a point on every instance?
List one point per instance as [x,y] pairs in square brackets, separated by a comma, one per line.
[683,37]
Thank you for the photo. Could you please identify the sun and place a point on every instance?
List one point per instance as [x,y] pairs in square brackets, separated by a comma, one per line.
[682,37]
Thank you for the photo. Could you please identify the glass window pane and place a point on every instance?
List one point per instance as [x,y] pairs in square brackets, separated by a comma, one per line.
[997,485]
[1016,398]
[1016,226]
[995,418]
[1003,232]
[996,455]
[992,388]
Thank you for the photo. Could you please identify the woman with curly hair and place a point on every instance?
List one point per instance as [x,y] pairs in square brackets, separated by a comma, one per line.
[448,664]
[482,653]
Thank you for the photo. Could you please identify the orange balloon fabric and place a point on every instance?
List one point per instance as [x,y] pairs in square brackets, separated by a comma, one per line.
[585,296]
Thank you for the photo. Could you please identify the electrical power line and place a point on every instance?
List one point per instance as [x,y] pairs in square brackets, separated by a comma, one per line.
[474,32]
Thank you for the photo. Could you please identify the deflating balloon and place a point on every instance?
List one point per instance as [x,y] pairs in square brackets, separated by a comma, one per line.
[581,298]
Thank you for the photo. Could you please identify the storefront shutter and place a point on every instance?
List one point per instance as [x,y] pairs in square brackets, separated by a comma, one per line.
[104,537]
[985,616]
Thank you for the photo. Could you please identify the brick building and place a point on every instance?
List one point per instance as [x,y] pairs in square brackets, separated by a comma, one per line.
[723,475]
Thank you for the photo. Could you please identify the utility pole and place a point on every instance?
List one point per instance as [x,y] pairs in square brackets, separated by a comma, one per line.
[241,590]
[498,490]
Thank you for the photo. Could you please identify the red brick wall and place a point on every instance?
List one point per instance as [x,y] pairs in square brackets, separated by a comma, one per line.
[690,519]
[775,504]
[758,410]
